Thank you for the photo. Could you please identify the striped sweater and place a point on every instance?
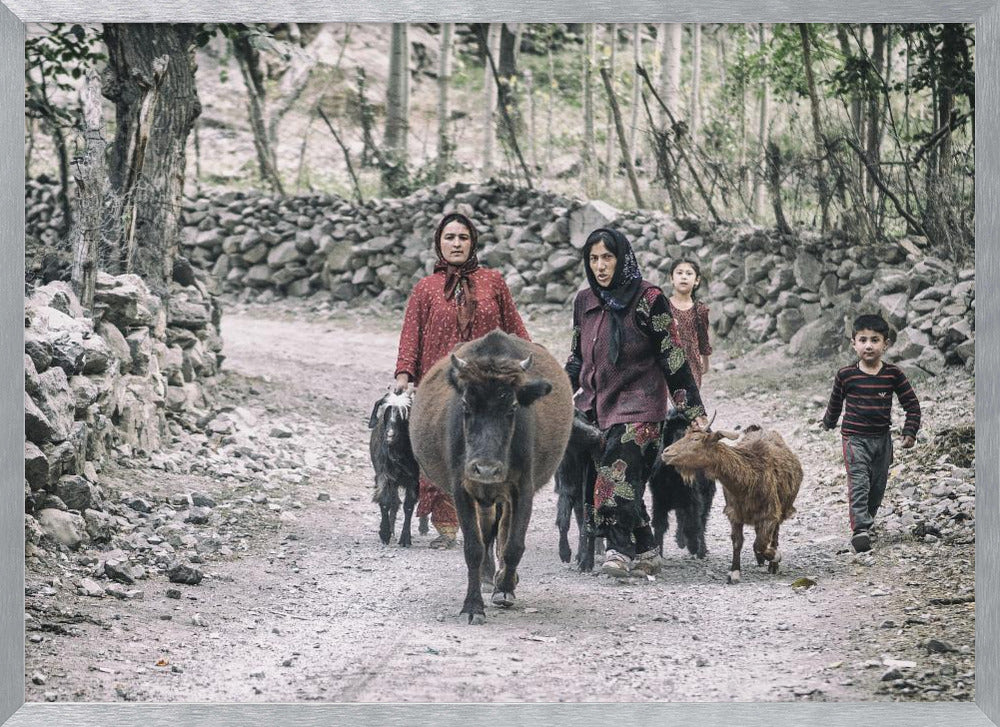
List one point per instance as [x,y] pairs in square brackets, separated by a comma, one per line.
[867,401]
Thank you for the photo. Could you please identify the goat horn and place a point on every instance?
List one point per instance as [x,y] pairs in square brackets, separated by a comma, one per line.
[708,427]
[526,364]
[729,435]
[458,363]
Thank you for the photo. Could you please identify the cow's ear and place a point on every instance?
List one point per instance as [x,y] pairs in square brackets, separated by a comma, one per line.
[532,391]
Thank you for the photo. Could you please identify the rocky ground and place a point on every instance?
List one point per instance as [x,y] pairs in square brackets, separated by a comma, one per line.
[251,570]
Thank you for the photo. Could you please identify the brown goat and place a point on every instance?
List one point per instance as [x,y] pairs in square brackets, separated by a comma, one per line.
[760,478]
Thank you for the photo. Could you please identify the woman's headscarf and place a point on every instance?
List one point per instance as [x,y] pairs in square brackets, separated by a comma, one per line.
[458,278]
[624,286]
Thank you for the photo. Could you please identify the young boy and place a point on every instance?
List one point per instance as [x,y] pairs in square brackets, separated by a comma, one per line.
[865,391]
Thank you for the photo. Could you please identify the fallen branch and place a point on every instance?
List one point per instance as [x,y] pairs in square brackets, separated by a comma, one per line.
[622,141]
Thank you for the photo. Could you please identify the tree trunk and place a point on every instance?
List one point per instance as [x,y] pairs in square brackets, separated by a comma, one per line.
[397,110]
[506,62]
[157,188]
[670,78]
[248,60]
[623,142]
[951,49]
[92,183]
[550,98]
[490,101]
[529,92]
[874,111]
[589,145]
[763,124]
[696,84]
[633,130]
[824,195]
[444,143]
[854,107]
[773,162]
[611,163]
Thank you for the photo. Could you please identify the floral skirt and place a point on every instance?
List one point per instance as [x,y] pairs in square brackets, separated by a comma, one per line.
[435,502]
[618,511]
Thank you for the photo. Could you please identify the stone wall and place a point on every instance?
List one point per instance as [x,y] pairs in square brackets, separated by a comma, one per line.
[802,290]
[106,385]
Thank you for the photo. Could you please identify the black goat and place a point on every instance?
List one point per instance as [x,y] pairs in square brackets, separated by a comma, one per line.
[575,486]
[691,503]
[394,464]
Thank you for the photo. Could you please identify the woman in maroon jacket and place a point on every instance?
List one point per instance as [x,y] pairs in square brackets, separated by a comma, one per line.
[460,301]
[624,363]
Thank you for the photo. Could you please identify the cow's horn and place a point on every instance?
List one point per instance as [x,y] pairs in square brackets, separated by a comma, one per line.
[526,364]
[458,363]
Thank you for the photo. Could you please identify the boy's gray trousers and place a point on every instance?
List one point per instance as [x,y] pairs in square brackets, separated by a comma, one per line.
[867,458]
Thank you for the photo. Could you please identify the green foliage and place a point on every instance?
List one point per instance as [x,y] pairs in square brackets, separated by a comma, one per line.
[53,62]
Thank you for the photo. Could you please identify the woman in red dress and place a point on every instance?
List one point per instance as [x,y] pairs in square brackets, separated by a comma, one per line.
[460,301]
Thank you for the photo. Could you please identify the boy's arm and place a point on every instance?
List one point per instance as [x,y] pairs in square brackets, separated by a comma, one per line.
[908,399]
[836,404]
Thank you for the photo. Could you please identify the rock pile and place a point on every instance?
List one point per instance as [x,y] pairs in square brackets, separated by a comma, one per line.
[106,384]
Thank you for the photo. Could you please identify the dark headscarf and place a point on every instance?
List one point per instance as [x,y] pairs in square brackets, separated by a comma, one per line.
[458,278]
[619,295]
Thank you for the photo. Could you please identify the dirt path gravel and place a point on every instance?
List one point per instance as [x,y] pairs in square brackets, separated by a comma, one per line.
[304,603]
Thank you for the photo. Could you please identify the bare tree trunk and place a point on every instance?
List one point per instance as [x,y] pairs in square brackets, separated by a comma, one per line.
[855,100]
[633,135]
[824,195]
[92,183]
[248,60]
[489,107]
[623,142]
[550,98]
[696,84]
[503,86]
[609,147]
[444,143]
[763,122]
[670,78]
[529,91]
[397,111]
[773,162]
[874,140]
[589,145]
[156,189]
[29,148]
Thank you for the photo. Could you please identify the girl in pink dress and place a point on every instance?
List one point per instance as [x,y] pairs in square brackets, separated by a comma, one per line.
[690,316]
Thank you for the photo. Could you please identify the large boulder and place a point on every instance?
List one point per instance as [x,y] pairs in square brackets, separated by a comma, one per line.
[63,527]
[78,493]
[588,218]
[819,338]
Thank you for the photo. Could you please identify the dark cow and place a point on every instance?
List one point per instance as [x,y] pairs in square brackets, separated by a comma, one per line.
[575,486]
[490,424]
[394,464]
[691,503]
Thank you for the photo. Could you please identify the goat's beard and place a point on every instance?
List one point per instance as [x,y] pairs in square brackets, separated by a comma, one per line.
[689,476]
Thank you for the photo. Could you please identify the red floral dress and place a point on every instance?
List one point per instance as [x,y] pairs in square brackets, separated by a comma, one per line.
[430,332]
[691,332]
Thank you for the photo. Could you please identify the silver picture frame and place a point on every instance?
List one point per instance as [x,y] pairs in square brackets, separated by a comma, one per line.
[14,712]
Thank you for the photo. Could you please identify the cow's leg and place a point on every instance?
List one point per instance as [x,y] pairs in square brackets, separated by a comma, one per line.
[661,509]
[736,534]
[775,555]
[519,507]
[488,531]
[474,552]
[409,502]
[387,496]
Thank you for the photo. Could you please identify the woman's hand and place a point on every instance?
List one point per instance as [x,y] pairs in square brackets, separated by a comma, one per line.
[700,424]
[402,382]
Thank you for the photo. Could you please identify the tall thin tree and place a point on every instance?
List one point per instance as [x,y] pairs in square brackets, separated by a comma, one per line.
[444,142]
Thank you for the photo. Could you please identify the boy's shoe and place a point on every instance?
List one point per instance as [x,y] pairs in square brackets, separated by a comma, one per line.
[616,564]
[648,564]
[861,541]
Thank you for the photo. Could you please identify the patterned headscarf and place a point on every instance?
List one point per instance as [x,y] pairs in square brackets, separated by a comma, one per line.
[458,280]
[624,286]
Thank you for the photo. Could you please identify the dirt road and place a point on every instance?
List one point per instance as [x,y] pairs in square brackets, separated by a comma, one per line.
[304,603]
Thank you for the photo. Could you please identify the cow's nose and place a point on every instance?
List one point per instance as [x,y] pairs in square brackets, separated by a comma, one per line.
[485,470]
